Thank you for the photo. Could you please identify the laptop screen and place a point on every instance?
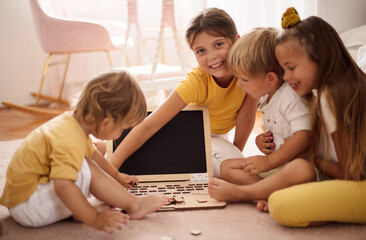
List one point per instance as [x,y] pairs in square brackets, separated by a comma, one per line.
[178,147]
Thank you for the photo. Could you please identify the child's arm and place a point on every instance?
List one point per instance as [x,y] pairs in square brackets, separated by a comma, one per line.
[74,200]
[142,132]
[124,179]
[291,148]
[336,170]
[245,120]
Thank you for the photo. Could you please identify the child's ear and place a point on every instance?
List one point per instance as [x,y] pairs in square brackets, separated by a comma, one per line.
[105,122]
[272,78]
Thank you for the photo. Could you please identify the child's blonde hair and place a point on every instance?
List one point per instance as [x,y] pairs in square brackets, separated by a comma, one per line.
[113,94]
[254,54]
[214,21]
[345,86]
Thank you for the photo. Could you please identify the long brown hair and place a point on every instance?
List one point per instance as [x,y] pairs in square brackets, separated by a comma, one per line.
[344,84]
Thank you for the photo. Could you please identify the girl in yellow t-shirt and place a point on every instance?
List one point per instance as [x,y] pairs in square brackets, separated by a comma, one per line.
[51,174]
[210,36]
[314,58]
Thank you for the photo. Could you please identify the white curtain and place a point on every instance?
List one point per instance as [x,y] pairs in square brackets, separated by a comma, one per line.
[247,14]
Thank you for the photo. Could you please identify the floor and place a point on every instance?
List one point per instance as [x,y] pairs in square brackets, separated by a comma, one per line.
[16,125]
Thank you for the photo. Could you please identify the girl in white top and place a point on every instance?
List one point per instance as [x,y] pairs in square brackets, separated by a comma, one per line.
[317,64]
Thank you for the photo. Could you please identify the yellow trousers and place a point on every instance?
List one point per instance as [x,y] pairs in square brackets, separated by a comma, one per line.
[326,201]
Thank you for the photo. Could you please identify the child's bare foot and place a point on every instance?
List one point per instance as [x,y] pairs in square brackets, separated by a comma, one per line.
[225,191]
[147,204]
[262,205]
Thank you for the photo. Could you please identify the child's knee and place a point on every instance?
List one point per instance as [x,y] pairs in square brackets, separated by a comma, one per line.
[225,168]
[276,206]
[306,170]
[300,170]
[279,208]
[283,207]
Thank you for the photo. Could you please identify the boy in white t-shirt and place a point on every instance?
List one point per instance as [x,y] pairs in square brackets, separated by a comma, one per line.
[286,117]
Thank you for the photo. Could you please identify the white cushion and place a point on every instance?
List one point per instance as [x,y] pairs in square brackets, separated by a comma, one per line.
[361,58]
[354,37]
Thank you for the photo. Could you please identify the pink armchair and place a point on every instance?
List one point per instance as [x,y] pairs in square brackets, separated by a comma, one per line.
[66,37]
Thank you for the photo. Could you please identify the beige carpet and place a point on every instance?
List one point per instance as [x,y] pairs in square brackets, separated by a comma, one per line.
[235,221]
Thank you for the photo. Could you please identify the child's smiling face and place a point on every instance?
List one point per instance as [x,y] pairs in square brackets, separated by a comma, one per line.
[211,53]
[299,70]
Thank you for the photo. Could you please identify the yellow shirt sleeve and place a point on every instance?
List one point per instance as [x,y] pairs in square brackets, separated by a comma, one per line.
[194,88]
[223,104]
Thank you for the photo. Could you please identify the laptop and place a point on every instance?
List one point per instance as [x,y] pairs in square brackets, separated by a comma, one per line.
[176,161]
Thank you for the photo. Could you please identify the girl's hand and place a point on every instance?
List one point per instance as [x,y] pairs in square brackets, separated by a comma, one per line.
[264,142]
[127,181]
[256,164]
[106,220]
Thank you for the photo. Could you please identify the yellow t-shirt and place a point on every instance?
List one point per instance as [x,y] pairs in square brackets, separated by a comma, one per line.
[54,150]
[199,88]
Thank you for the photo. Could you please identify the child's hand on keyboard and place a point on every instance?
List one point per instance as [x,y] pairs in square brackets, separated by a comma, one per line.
[127,181]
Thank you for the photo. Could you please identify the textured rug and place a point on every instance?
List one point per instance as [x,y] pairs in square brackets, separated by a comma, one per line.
[235,221]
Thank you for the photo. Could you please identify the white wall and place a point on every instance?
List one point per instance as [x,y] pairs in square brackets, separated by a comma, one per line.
[22,58]
[343,14]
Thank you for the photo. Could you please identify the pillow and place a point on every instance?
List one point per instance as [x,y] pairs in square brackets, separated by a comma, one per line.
[354,37]
[361,58]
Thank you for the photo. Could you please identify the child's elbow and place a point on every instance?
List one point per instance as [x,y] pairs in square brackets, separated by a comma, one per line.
[306,138]
[245,120]
[61,185]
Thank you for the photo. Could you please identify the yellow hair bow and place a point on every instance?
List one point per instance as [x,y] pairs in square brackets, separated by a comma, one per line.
[290,18]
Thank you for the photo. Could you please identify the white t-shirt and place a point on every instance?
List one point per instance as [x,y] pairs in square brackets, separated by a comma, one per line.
[330,127]
[285,114]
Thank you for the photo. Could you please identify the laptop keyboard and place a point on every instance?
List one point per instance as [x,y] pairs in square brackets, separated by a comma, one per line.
[171,189]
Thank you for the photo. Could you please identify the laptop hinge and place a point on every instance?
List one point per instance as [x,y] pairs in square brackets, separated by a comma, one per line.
[199,177]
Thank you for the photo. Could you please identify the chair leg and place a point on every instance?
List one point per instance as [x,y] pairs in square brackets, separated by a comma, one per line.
[138,44]
[34,110]
[109,58]
[157,53]
[64,77]
[42,80]
[179,51]
[124,47]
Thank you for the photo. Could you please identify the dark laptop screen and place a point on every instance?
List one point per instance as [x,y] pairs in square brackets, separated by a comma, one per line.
[178,147]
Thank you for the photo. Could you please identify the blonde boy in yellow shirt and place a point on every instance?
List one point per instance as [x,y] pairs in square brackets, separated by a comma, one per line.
[51,174]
